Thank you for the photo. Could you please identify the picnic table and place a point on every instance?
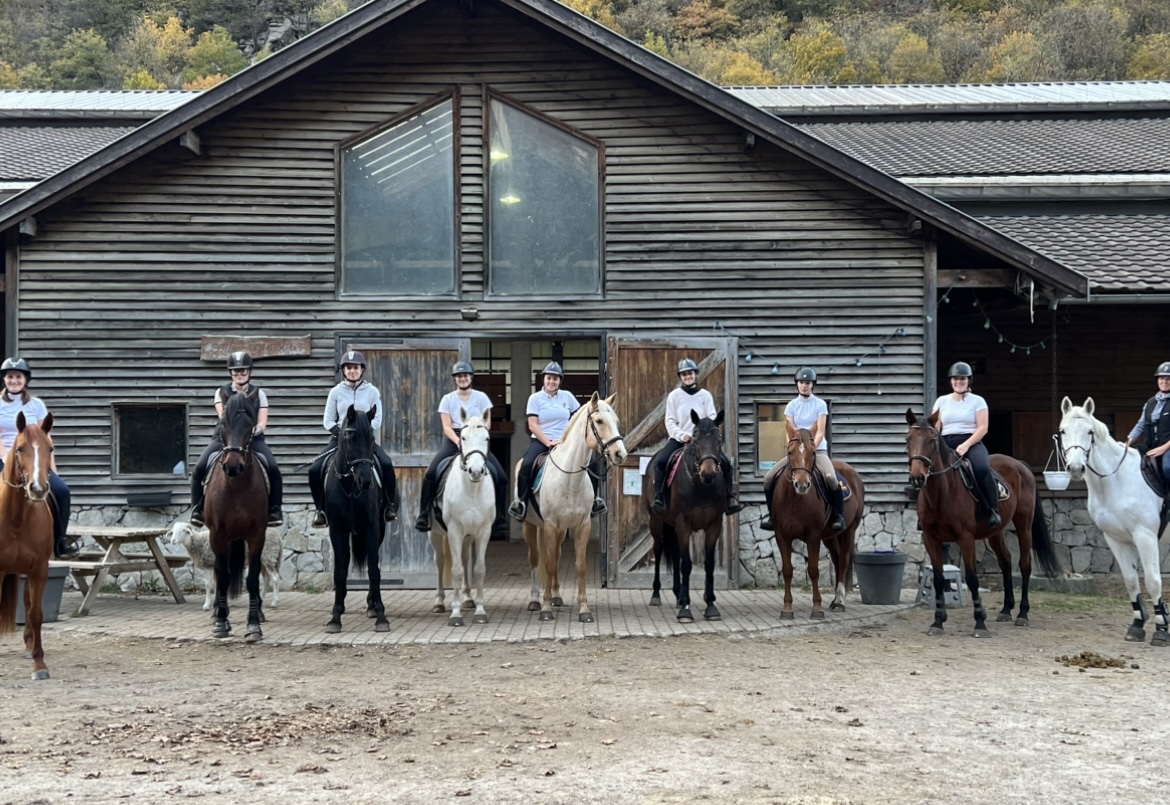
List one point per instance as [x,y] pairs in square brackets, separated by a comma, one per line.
[91,570]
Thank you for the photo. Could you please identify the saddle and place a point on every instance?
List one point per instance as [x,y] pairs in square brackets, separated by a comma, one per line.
[1152,475]
[967,473]
[442,472]
[823,486]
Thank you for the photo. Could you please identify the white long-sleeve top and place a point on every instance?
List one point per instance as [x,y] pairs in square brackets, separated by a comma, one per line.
[679,405]
[363,397]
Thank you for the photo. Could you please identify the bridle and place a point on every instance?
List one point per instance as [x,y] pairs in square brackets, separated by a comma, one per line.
[1088,451]
[692,467]
[244,450]
[342,461]
[602,447]
[465,457]
[24,482]
[935,441]
[793,470]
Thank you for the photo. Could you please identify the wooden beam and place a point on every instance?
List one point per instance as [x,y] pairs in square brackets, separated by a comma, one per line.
[29,227]
[976,278]
[190,141]
[218,347]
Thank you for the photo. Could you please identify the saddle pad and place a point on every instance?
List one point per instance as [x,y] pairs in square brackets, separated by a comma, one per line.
[843,485]
[672,465]
[1152,474]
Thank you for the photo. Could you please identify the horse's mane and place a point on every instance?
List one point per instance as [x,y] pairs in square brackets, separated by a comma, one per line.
[1100,429]
[581,414]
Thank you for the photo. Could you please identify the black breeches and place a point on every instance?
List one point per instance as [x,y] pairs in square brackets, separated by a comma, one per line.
[389,480]
[535,449]
[275,480]
[317,475]
[199,474]
[659,463]
[981,465]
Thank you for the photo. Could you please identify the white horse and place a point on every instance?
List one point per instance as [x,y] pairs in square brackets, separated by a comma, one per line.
[565,503]
[1122,506]
[468,506]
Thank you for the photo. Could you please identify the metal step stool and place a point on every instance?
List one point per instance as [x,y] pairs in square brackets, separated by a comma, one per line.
[952,597]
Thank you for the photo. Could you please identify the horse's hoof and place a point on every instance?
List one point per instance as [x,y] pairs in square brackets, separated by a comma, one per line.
[712,614]
[41,674]
[382,625]
[817,615]
[1022,621]
[836,606]
[1161,639]
[371,612]
[787,615]
[585,617]
[935,631]
[438,609]
[655,601]
[685,616]
[558,602]
[332,628]
[254,637]
[222,629]
[1003,617]
[981,633]
[455,621]
[547,616]
[1135,634]
[533,606]
[480,619]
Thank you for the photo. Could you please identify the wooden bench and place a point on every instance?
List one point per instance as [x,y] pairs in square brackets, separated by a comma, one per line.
[91,569]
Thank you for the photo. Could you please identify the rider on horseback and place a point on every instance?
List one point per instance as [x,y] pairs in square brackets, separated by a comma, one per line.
[474,403]
[549,411]
[964,416]
[679,427]
[363,396]
[239,364]
[810,412]
[1154,423]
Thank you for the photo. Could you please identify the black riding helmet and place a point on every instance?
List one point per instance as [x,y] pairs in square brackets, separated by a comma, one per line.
[462,368]
[1163,368]
[239,360]
[960,369]
[553,368]
[805,373]
[16,365]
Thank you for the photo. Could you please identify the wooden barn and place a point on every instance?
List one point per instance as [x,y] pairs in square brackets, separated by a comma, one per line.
[499,180]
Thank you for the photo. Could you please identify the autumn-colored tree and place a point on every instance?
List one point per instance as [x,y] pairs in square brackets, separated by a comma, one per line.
[817,55]
[1151,59]
[719,64]
[656,44]
[913,62]
[328,11]
[161,48]
[1019,57]
[214,54]
[705,19]
[142,79]
[9,78]
[600,10]
[764,45]
[205,82]
[84,62]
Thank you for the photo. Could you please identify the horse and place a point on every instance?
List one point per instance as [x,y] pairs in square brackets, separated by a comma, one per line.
[564,503]
[947,514]
[698,501]
[353,506]
[26,534]
[799,515]
[467,507]
[236,514]
[1122,506]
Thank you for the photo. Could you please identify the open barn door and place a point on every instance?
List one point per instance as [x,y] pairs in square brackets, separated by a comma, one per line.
[643,373]
[413,375]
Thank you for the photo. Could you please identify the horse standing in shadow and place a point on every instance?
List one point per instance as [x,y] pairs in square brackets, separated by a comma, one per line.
[236,514]
[353,498]
[798,515]
[948,513]
[698,502]
[26,534]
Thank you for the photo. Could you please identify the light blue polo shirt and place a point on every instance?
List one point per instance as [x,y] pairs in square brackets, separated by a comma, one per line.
[805,411]
[552,411]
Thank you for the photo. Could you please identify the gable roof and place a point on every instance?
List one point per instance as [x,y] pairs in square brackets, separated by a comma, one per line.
[374,16]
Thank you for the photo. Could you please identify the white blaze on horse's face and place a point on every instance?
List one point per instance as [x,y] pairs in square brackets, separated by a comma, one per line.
[1076,441]
[803,483]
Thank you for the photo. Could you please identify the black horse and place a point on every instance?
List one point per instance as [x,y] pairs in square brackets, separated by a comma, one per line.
[353,505]
[698,501]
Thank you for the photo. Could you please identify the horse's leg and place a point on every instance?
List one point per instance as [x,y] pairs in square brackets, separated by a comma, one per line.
[1126,555]
[711,536]
[656,596]
[222,626]
[1023,523]
[581,544]
[468,569]
[934,550]
[455,540]
[967,550]
[254,633]
[683,573]
[841,550]
[481,544]
[340,542]
[785,545]
[439,546]
[1146,545]
[550,556]
[814,576]
[554,545]
[532,540]
[34,591]
[670,546]
[373,542]
[1003,558]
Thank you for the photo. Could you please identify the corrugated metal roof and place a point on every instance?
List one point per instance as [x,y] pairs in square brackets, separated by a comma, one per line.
[22,103]
[956,98]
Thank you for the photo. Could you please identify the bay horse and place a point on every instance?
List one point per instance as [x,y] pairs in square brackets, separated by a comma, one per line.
[948,514]
[467,508]
[26,534]
[353,506]
[564,503]
[236,513]
[698,501]
[1122,506]
[799,515]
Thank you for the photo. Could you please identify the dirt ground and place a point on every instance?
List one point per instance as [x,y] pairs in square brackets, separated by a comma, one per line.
[883,714]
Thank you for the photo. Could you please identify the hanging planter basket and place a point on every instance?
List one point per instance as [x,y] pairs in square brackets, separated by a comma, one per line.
[1058,479]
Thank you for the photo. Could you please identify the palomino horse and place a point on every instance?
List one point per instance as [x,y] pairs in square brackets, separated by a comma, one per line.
[948,514]
[26,534]
[236,513]
[698,500]
[564,503]
[1122,506]
[800,515]
[467,508]
[353,505]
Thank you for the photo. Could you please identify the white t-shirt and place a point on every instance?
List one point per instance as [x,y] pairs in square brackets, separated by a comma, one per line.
[34,411]
[958,416]
[475,406]
[805,411]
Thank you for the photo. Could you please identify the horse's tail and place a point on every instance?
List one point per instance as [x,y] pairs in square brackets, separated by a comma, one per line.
[670,546]
[8,601]
[357,552]
[237,567]
[1042,544]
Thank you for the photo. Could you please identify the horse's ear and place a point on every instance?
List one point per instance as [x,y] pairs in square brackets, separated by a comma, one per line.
[719,418]
[47,423]
[254,395]
[350,414]
[372,414]
[21,422]
[1066,405]
[1089,406]
[789,427]
[462,414]
[933,418]
[694,417]
[593,400]
[910,418]
[609,400]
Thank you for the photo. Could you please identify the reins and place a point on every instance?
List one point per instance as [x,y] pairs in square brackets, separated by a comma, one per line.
[601,448]
[1088,450]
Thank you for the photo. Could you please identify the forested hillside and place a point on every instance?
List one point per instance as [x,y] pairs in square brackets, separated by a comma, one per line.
[159,44]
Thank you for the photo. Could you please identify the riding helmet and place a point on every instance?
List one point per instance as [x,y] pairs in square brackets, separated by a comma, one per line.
[553,368]
[353,357]
[462,368]
[687,365]
[806,373]
[21,365]
[1163,369]
[239,360]
[960,369]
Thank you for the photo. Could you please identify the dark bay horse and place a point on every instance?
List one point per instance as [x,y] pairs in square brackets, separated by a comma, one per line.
[800,512]
[26,534]
[354,509]
[698,500]
[236,514]
[948,514]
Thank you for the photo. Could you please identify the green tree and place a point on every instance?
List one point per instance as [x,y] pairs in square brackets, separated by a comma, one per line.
[1089,37]
[1151,59]
[1019,57]
[214,54]
[142,79]
[656,44]
[328,11]
[817,55]
[84,62]
[913,62]
[719,64]
[9,78]
[33,76]
[161,48]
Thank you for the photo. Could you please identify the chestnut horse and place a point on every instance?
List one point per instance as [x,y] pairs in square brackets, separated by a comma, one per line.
[797,514]
[698,500]
[947,513]
[26,533]
[236,513]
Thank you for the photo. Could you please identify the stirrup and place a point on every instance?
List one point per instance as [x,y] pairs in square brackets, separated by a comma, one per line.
[319,520]
[390,513]
[275,517]
[518,510]
[65,548]
[833,523]
[766,524]
[599,507]
[733,506]
[659,503]
[423,523]
[197,517]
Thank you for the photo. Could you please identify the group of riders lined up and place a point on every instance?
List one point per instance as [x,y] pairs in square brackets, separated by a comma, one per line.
[963,415]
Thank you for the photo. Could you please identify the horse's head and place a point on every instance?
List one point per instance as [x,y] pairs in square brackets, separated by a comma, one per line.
[922,446]
[802,458]
[355,448]
[236,428]
[1078,433]
[604,434]
[705,448]
[30,458]
[474,443]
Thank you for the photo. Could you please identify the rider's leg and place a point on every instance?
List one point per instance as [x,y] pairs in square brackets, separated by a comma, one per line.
[317,485]
[519,508]
[426,499]
[59,505]
[275,481]
[769,488]
[981,464]
[733,504]
[658,467]
[836,496]
[389,484]
[596,471]
[198,478]
[500,480]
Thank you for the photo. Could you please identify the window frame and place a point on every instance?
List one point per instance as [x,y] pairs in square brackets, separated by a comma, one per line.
[116,472]
[782,403]
[452,94]
[490,95]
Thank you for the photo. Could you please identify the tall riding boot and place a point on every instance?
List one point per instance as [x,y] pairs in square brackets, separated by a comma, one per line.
[275,497]
[766,523]
[991,501]
[599,506]
[500,528]
[659,502]
[62,546]
[733,504]
[425,504]
[837,504]
[196,500]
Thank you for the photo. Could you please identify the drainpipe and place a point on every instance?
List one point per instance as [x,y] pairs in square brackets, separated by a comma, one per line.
[1115,299]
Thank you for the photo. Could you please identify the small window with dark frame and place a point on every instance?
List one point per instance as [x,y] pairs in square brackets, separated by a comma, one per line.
[150,438]
[772,434]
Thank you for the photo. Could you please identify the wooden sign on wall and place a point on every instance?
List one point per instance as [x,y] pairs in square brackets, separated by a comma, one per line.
[218,347]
